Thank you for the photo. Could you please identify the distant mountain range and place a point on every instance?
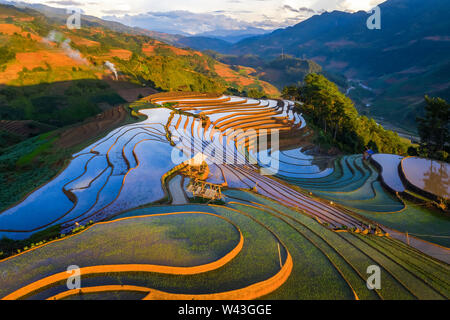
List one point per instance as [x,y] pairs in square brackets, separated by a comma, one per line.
[391,69]
[186,23]
[217,40]
[232,36]
[342,42]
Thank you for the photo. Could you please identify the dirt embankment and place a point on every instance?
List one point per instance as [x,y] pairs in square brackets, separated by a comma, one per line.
[245,79]
[92,127]
[130,92]
[162,96]
[24,128]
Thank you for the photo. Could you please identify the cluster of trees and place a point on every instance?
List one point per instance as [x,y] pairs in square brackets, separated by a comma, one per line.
[251,93]
[434,130]
[45,104]
[338,121]
[168,73]
[6,55]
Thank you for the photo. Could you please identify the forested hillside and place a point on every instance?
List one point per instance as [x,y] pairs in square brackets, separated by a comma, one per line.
[54,76]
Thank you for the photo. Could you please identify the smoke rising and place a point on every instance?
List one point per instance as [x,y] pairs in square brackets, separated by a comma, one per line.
[64,42]
[112,67]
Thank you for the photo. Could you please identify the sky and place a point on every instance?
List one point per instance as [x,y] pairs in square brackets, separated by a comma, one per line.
[202,16]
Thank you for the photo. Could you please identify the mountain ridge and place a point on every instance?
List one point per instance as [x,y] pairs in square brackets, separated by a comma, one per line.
[414,41]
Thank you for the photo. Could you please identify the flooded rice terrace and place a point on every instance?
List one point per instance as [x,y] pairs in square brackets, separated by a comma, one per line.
[123,170]
[240,139]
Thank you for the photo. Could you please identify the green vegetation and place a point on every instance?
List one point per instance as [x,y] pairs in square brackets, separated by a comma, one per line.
[406,273]
[338,122]
[169,73]
[288,70]
[399,98]
[326,264]
[434,129]
[199,200]
[28,165]
[426,222]
[201,239]
[355,185]
[256,94]
[10,247]
[282,71]
[6,55]
[52,104]
[70,92]
[8,139]
[259,251]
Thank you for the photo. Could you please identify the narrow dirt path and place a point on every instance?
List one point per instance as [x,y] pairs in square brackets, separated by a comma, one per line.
[177,192]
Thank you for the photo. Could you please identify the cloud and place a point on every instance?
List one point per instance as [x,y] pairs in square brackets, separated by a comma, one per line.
[305,9]
[289,8]
[299,10]
[190,17]
[66,3]
[115,12]
[183,22]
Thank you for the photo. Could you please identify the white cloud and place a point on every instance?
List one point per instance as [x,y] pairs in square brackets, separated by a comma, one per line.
[183,22]
[356,5]
[267,14]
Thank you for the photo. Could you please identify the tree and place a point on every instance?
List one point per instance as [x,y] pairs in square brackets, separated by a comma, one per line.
[335,114]
[255,93]
[290,93]
[6,55]
[434,128]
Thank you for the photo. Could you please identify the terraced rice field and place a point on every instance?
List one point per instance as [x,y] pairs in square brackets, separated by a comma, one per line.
[292,225]
[356,185]
[430,176]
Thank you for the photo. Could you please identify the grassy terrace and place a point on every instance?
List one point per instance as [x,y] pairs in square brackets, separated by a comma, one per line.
[260,248]
[355,184]
[407,273]
[278,242]
[326,264]
[200,240]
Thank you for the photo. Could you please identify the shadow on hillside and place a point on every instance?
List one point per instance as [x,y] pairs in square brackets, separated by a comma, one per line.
[26,111]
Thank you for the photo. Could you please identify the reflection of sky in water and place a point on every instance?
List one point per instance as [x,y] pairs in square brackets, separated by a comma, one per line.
[142,185]
[96,180]
[25,215]
[429,175]
[389,164]
[292,163]
[123,170]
